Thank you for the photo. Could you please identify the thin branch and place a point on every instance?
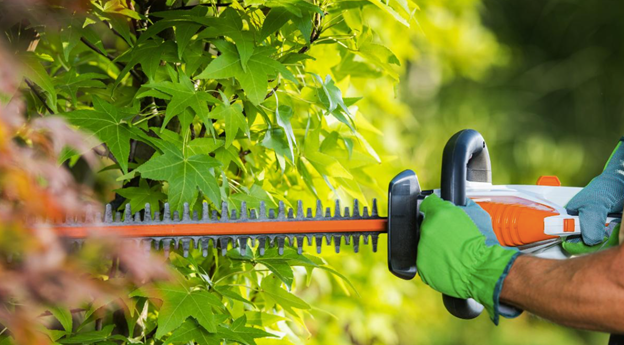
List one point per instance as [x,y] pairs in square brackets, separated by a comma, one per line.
[39,96]
[110,26]
[273,90]
[133,145]
[134,73]
[316,32]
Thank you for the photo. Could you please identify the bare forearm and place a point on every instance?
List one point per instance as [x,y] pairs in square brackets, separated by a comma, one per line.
[585,292]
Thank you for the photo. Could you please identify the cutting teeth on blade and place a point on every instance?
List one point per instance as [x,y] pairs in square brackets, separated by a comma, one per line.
[356,243]
[262,246]
[299,245]
[213,236]
[243,215]
[337,243]
[166,213]
[319,209]
[242,248]
[319,244]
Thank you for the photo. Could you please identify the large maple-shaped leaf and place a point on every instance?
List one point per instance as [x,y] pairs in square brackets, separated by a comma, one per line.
[183,95]
[234,120]
[108,123]
[181,301]
[254,81]
[184,173]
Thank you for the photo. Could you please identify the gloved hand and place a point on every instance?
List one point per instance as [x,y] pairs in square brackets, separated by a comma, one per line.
[458,254]
[575,246]
[603,195]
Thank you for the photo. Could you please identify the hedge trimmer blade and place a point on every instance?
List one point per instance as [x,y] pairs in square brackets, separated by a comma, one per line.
[252,228]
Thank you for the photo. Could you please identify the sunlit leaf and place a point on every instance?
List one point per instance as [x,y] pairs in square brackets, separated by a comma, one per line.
[184,174]
[109,124]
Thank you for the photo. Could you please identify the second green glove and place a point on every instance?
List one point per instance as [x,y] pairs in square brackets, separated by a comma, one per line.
[458,254]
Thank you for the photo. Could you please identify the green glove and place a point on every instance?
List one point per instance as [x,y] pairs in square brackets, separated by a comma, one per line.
[577,247]
[459,258]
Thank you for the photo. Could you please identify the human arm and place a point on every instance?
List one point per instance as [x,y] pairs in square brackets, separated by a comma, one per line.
[584,292]
[458,255]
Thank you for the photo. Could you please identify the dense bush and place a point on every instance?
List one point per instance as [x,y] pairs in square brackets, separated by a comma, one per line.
[202,102]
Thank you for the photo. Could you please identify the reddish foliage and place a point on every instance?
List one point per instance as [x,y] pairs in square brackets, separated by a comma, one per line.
[36,269]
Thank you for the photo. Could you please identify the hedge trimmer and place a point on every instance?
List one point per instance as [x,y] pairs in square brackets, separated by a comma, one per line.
[531,218]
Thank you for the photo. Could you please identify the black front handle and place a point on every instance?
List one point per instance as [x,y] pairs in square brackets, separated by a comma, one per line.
[465,158]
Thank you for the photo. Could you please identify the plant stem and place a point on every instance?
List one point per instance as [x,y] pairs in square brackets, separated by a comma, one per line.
[39,96]
[134,73]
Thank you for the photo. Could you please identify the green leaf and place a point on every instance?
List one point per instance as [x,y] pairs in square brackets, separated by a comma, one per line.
[70,82]
[204,146]
[283,114]
[190,332]
[70,36]
[64,316]
[149,55]
[275,139]
[34,71]
[325,164]
[181,302]
[227,65]
[226,292]
[261,319]
[332,99]
[156,28]
[304,24]
[255,81]
[234,120]
[184,174]
[183,33]
[121,24]
[107,123]
[281,269]
[231,24]
[141,195]
[248,333]
[226,156]
[120,7]
[89,337]
[276,18]
[92,37]
[271,288]
[384,6]
[195,56]
[253,196]
[183,95]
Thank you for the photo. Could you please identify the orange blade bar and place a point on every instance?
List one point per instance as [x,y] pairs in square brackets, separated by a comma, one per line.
[213,229]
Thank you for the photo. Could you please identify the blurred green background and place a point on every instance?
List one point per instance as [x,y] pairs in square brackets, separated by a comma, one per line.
[541,80]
